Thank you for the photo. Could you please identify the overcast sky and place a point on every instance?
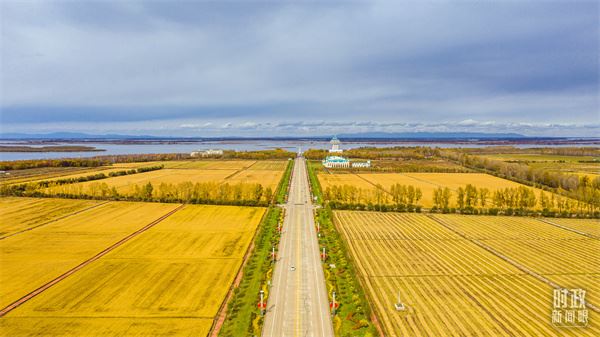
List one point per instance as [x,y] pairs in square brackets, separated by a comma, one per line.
[197,68]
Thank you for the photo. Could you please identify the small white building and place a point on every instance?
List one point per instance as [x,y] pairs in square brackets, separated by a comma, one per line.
[335,145]
[206,153]
[362,164]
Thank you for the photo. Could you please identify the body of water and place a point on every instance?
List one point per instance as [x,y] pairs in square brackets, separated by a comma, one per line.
[243,145]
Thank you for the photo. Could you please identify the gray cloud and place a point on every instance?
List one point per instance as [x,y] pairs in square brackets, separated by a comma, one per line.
[143,64]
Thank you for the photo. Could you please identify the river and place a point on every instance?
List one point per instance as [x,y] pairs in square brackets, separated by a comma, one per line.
[238,145]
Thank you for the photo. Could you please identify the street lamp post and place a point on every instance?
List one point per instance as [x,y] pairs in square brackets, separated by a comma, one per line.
[262,304]
[333,304]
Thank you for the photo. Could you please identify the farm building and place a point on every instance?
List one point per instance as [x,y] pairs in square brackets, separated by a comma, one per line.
[206,153]
[341,162]
[362,164]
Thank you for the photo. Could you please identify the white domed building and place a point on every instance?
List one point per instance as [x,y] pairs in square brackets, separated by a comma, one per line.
[335,145]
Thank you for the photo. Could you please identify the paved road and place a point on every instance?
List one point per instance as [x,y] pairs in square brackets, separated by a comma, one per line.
[298,303]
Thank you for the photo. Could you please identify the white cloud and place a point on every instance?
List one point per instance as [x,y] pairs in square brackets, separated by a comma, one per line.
[362,66]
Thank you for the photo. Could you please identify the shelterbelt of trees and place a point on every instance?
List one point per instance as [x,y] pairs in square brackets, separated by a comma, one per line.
[469,199]
[582,188]
[560,151]
[373,153]
[130,158]
[28,189]
[211,193]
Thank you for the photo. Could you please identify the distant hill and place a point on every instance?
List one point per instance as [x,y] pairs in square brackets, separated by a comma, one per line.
[431,135]
[71,135]
[364,135]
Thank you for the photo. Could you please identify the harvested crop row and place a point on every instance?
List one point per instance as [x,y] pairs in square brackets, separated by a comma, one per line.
[557,254]
[589,226]
[450,286]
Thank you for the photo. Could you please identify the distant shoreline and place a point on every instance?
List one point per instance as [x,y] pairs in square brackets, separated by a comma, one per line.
[550,141]
[59,148]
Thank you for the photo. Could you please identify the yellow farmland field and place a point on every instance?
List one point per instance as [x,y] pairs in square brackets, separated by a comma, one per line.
[120,286]
[181,172]
[589,226]
[20,214]
[215,164]
[193,164]
[450,286]
[327,180]
[558,254]
[172,276]
[208,164]
[267,178]
[83,173]
[103,327]
[43,173]
[125,184]
[142,164]
[276,165]
[30,259]
[427,182]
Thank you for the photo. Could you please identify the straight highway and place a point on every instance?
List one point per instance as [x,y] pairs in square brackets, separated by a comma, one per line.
[298,304]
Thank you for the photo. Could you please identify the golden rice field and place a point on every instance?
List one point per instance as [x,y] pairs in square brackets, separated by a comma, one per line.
[193,164]
[125,184]
[589,226]
[55,173]
[453,287]
[67,174]
[169,280]
[267,178]
[534,157]
[30,259]
[267,173]
[276,165]
[427,182]
[20,214]
[25,175]
[559,255]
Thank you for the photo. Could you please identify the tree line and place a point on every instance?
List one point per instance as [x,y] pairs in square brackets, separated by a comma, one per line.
[519,200]
[374,153]
[559,151]
[398,198]
[134,158]
[213,193]
[26,189]
[468,199]
[277,153]
[582,188]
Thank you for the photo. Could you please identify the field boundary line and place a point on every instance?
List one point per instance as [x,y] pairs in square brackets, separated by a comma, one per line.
[87,169]
[591,236]
[54,220]
[49,284]
[219,318]
[372,183]
[515,264]
[237,172]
